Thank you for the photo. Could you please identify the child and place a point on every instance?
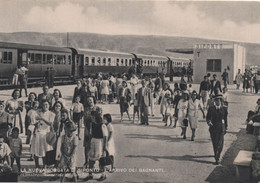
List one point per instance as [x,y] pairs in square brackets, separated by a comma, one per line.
[77,111]
[5,152]
[15,144]
[69,143]
[136,108]
[110,142]
[32,115]
[169,112]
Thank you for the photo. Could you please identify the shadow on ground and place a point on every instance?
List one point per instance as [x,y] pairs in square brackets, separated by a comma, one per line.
[225,172]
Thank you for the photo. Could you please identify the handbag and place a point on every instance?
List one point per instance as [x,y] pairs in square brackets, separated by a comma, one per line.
[51,137]
[107,160]
[185,122]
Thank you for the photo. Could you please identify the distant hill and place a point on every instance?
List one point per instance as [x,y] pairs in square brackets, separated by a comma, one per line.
[155,45]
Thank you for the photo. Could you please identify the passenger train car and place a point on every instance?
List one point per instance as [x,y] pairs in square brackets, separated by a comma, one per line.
[70,63]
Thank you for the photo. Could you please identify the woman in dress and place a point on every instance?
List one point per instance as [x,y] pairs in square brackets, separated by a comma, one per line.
[57,96]
[183,112]
[164,96]
[39,145]
[14,107]
[193,107]
[93,89]
[28,106]
[77,90]
[5,121]
[119,81]
[104,89]
[98,144]
[238,79]
[125,98]
[57,107]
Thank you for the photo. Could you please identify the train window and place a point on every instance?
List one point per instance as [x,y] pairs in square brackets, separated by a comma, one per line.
[31,56]
[59,59]
[93,60]
[148,62]
[126,62]
[44,58]
[122,62]
[98,60]
[69,59]
[38,58]
[86,60]
[109,61]
[117,62]
[130,62]
[1,57]
[145,63]
[104,61]
[49,59]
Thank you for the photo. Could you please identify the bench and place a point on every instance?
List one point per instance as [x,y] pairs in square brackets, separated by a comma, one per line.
[243,164]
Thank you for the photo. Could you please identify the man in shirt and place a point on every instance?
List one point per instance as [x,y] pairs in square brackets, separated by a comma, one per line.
[45,96]
[215,85]
[225,78]
[216,121]
[204,90]
[253,116]
[144,102]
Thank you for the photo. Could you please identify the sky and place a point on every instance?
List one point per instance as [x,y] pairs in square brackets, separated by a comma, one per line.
[235,21]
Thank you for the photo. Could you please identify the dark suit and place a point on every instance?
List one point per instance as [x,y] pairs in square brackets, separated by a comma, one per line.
[215,87]
[47,97]
[217,130]
[144,103]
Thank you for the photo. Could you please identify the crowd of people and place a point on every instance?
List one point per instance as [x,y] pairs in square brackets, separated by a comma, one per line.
[53,130]
[248,81]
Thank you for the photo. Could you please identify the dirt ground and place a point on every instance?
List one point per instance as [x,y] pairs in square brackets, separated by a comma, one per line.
[156,153]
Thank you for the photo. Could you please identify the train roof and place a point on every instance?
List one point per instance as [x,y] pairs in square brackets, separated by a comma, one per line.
[151,56]
[34,47]
[180,59]
[103,53]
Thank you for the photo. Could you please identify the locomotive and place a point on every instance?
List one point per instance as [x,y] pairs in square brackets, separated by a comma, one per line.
[72,63]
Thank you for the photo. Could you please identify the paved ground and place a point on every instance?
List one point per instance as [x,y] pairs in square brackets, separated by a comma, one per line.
[156,153]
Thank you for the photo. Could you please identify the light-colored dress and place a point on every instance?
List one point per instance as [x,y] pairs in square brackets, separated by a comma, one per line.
[104,87]
[67,144]
[164,97]
[182,111]
[32,114]
[239,78]
[39,145]
[111,143]
[96,145]
[193,112]
[134,83]
[14,108]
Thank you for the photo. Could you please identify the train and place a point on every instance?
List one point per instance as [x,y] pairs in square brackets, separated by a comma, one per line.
[73,63]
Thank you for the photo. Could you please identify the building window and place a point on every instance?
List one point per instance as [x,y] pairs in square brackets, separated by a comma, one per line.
[117,62]
[214,65]
[125,62]
[130,62]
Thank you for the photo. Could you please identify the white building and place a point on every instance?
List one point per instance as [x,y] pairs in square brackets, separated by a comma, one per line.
[214,58]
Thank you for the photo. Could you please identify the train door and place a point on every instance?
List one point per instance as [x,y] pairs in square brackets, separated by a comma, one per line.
[22,58]
[80,65]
